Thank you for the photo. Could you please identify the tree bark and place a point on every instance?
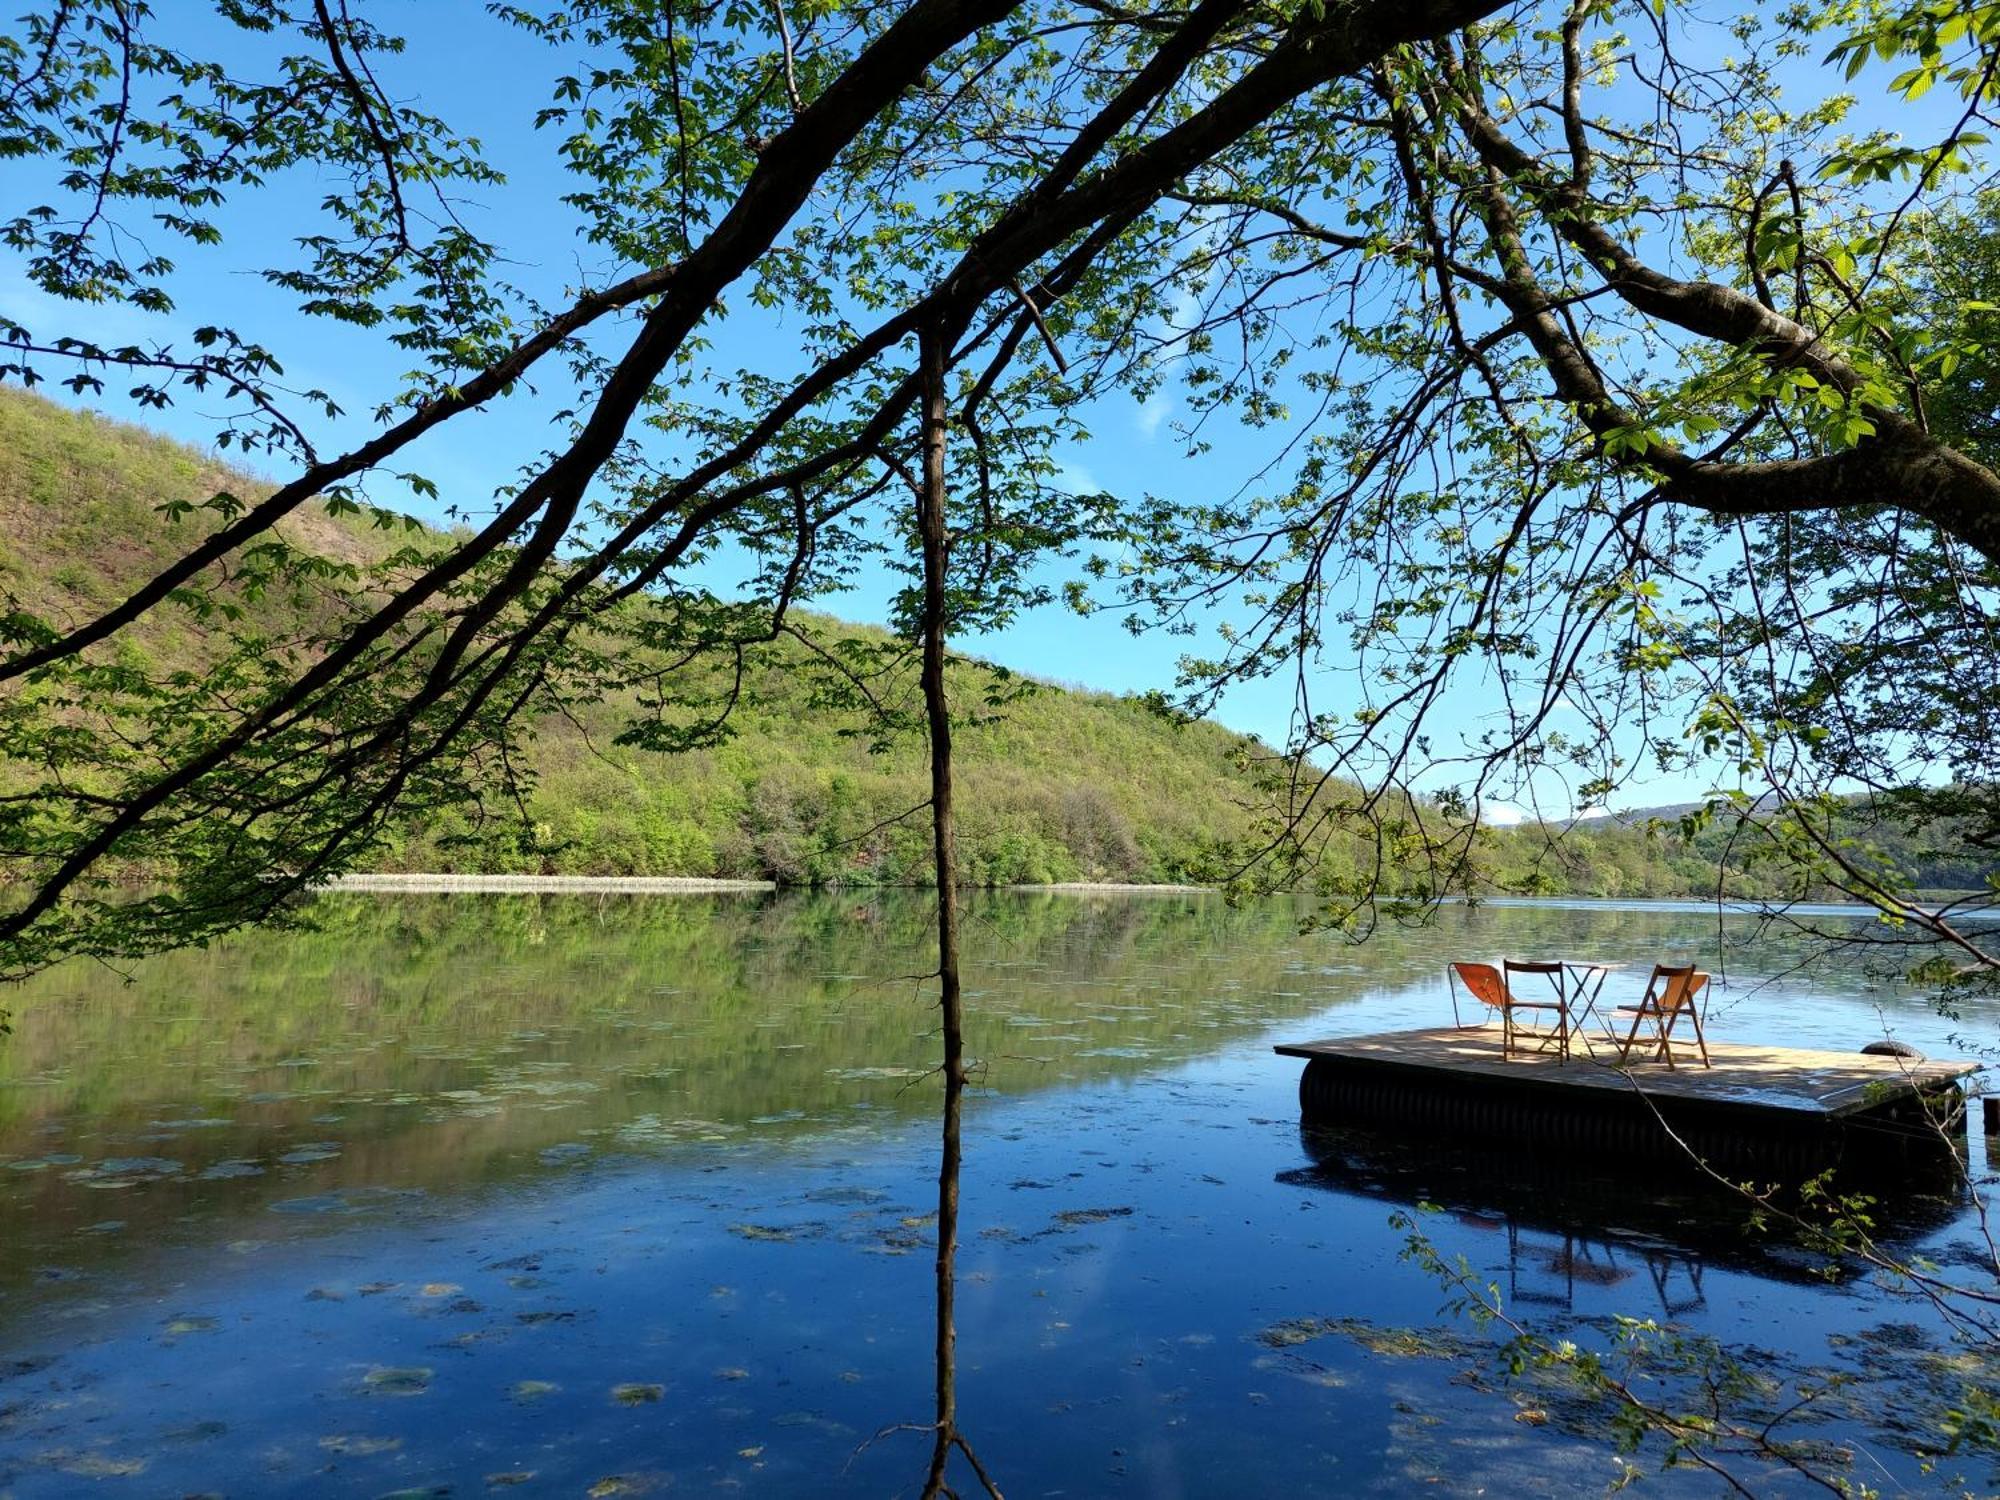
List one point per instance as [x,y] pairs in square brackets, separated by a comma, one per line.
[944,835]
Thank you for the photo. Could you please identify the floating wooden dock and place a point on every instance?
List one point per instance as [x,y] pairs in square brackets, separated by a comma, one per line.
[1758,1109]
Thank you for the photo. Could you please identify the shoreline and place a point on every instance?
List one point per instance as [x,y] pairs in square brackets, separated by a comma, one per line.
[696,885]
[1086,887]
[438,884]
[540,884]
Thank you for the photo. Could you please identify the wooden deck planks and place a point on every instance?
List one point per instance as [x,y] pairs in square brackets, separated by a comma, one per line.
[1793,1079]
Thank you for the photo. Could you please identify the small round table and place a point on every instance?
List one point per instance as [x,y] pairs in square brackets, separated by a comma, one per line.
[1584,981]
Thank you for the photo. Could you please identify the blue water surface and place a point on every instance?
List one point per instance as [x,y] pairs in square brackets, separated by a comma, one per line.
[475,1194]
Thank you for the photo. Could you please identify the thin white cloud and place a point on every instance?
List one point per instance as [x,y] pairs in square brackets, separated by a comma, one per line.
[1074,479]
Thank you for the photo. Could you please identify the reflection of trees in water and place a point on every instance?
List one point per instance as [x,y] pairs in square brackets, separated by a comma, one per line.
[455,1024]
[704,986]
[460,1038]
[660,1017]
[947,1434]
[468,972]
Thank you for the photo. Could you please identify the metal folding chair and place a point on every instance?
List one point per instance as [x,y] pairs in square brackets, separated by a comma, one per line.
[1672,993]
[1494,990]
[1535,986]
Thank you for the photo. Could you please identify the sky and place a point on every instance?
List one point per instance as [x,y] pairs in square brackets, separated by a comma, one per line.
[488,79]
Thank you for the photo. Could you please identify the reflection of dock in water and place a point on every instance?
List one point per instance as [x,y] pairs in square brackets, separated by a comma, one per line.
[1544,1268]
[1573,1226]
[1759,1109]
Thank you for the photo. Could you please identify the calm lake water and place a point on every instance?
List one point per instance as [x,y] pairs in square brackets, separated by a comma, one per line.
[617,1196]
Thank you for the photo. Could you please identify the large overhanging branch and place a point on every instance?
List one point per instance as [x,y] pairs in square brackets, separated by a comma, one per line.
[785,174]
[1899,464]
[1039,223]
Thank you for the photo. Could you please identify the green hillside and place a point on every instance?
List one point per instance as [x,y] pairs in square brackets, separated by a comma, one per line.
[1059,785]
[1062,785]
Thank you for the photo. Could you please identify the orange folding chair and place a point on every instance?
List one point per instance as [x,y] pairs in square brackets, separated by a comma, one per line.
[1673,992]
[1492,989]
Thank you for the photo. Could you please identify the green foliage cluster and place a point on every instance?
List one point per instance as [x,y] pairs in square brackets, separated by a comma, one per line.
[1063,786]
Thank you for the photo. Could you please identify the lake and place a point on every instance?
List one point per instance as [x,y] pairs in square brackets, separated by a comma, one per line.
[632,1195]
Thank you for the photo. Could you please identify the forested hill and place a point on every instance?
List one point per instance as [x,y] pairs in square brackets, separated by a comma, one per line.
[1060,785]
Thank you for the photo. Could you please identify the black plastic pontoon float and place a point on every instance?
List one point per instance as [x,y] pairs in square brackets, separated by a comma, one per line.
[1759,1110]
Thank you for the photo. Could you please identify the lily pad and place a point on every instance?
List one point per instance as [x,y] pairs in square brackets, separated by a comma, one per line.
[40,1163]
[195,1432]
[346,1201]
[126,1171]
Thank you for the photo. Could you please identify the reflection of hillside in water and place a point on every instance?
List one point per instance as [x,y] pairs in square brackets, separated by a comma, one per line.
[446,1045]
[1567,1226]
[759,1002]
[439,1045]
[750,1004]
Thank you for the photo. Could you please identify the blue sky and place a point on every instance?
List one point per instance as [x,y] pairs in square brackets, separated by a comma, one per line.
[488,79]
